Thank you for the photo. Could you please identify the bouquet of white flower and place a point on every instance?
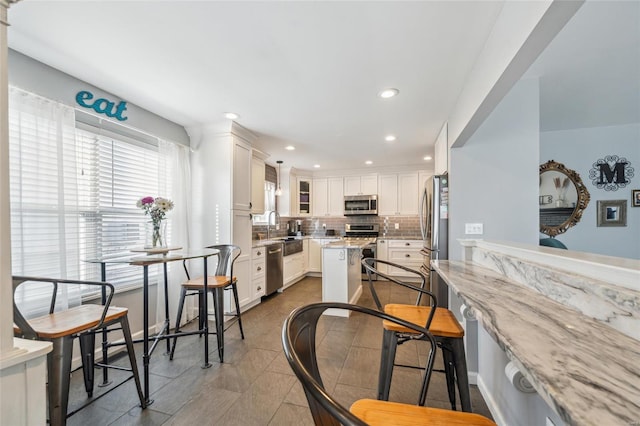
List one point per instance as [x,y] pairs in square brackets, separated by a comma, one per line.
[157,209]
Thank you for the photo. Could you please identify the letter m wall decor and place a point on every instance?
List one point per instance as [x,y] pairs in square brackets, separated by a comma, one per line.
[611,172]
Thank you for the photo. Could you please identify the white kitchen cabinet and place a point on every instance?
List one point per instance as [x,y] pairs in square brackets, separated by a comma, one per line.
[361,185]
[258,272]
[304,194]
[292,268]
[257,185]
[405,253]
[242,265]
[221,186]
[408,198]
[305,257]
[315,252]
[328,197]
[320,195]
[315,255]
[241,174]
[388,195]
[398,194]
[382,253]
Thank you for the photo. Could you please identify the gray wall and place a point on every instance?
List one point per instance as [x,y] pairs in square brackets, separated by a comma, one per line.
[494,176]
[578,149]
[36,77]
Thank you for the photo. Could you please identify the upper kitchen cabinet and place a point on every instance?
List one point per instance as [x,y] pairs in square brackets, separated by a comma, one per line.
[241,181]
[328,197]
[361,185]
[398,194]
[304,196]
[257,182]
[221,165]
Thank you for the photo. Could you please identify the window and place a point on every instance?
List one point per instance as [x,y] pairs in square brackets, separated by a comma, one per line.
[269,205]
[73,192]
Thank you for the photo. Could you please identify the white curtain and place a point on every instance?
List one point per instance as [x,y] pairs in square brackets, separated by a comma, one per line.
[174,177]
[44,197]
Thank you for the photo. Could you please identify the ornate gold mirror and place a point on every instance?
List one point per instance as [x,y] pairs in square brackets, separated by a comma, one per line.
[563,198]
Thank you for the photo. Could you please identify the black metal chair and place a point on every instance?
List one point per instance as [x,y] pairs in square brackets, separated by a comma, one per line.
[223,280]
[299,343]
[60,327]
[439,321]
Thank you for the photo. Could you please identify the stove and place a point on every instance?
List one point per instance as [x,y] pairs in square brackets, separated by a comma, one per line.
[362,232]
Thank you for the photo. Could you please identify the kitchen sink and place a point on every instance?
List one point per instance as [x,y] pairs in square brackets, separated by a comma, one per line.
[292,246]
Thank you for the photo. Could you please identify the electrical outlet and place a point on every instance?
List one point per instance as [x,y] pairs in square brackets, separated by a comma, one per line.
[473,229]
[324,226]
[397,226]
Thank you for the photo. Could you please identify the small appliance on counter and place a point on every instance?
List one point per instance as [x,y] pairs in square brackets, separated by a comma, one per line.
[295,227]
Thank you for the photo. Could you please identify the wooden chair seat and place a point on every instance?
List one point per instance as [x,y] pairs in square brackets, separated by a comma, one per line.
[444,323]
[383,413]
[213,281]
[73,320]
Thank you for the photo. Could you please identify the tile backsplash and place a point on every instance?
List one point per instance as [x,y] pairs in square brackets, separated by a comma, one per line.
[409,226]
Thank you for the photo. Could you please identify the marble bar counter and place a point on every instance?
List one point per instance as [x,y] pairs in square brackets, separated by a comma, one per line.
[586,370]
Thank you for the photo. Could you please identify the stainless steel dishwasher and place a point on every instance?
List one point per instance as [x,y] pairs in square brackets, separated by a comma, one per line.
[274,268]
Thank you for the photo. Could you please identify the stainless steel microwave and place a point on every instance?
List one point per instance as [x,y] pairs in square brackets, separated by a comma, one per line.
[355,205]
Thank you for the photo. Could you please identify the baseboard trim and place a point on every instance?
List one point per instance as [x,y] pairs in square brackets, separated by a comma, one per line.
[491,402]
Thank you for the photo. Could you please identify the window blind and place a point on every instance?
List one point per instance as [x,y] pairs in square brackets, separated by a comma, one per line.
[73,193]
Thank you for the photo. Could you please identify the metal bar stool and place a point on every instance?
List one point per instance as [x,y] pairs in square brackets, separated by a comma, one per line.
[299,343]
[61,327]
[223,280]
[439,321]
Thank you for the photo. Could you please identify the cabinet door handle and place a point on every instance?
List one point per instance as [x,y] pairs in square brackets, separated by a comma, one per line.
[407,255]
[259,253]
[407,244]
[259,268]
[259,288]
[250,204]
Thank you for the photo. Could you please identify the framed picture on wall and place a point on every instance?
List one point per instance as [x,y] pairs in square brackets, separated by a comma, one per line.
[635,197]
[612,213]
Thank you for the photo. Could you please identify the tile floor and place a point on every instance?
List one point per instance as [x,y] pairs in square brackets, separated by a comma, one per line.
[255,386]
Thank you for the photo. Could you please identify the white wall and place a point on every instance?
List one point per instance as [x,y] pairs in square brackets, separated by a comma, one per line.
[494,176]
[578,149]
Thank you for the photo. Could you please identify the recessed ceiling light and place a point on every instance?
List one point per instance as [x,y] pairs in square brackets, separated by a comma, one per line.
[317,166]
[368,162]
[290,148]
[427,158]
[231,115]
[390,138]
[388,93]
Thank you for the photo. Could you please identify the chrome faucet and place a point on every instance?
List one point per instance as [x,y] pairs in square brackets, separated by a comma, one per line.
[269,222]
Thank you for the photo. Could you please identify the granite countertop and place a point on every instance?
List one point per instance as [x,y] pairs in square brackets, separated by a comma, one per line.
[588,371]
[343,244]
[415,237]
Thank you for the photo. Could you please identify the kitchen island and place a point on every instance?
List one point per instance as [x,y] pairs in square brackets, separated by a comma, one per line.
[341,273]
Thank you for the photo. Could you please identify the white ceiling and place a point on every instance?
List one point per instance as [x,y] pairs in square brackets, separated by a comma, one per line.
[307,73]
[299,73]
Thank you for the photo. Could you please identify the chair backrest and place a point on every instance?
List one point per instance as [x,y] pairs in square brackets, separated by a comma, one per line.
[26,331]
[226,258]
[299,343]
[552,242]
[371,265]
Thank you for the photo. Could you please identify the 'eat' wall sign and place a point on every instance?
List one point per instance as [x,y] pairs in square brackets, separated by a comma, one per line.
[101,105]
[611,172]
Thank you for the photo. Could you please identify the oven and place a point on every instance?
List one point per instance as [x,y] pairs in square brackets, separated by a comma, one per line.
[366,233]
[369,251]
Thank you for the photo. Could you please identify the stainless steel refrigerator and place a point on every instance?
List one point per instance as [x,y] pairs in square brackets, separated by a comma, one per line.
[434,225]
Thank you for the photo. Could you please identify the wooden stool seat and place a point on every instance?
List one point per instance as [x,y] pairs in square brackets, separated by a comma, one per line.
[72,321]
[383,413]
[213,281]
[223,280]
[443,324]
